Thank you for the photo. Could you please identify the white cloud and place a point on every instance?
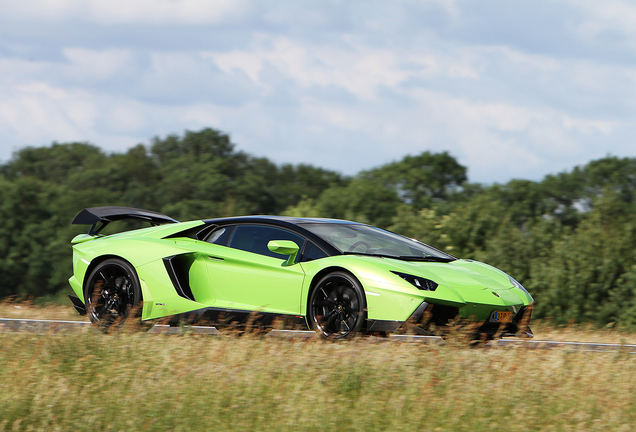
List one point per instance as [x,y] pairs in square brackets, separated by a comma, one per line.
[37,110]
[97,65]
[610,15]
[124,11]
[350,65]
[127,117]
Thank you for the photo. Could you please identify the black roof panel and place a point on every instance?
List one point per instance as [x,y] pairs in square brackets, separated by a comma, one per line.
[270,219]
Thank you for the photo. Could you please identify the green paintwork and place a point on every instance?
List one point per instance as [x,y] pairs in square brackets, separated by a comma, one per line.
[224,277]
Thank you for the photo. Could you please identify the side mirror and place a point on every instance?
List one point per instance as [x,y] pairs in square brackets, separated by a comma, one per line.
[284,247]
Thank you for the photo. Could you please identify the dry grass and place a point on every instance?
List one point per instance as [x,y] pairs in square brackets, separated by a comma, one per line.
[543,330]
[582,333]
[47,311]
[127,381]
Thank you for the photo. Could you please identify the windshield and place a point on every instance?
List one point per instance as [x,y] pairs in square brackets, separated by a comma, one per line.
[368,240]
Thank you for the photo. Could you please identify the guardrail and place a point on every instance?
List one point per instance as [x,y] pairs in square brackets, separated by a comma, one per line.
[53,326]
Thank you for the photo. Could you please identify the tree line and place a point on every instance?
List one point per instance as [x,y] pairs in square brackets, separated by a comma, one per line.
[570,238]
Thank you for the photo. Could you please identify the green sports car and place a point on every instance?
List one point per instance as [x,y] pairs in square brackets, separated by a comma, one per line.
[334,276]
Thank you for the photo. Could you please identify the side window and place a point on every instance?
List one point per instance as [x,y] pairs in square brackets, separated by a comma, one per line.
[221,235]
[254,238]
[313,252]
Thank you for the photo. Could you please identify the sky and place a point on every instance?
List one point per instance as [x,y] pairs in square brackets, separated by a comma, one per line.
[510,89]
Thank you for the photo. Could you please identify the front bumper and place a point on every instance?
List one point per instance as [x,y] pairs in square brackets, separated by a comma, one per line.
[440,320]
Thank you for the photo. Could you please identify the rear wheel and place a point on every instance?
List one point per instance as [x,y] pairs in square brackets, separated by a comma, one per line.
[113,294]
[336,306]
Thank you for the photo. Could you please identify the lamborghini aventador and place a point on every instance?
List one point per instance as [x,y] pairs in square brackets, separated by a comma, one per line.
[336,277]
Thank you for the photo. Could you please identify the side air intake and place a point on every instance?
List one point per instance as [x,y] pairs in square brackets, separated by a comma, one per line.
[178,267]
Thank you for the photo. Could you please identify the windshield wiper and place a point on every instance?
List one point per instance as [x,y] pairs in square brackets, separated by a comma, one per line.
[425,258]
[403,257]
[368,254]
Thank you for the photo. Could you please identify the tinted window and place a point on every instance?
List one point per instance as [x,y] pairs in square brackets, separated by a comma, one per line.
[254,238]
[221,235]
[313,252]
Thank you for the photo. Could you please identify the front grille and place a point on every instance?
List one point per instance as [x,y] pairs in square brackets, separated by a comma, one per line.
[433,314]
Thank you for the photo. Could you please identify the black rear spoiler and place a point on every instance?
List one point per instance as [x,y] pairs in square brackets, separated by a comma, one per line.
[99,217]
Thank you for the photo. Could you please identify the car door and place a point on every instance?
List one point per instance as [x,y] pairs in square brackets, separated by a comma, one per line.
[249,276]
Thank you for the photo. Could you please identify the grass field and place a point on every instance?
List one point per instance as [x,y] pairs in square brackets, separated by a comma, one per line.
[132,381]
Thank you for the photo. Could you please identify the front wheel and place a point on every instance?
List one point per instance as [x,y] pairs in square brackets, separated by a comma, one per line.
[336,306]
[112,294]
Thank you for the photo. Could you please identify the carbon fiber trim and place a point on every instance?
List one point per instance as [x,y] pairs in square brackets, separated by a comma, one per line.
[77,303]
[222,317]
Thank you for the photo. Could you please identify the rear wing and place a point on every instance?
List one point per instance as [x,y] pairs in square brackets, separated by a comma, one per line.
[99,217]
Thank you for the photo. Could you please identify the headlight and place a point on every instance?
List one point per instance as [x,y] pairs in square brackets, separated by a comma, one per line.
[518,285]
[418,282]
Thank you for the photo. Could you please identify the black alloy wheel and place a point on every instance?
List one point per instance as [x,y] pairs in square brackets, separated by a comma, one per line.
[337,306]
[112,294]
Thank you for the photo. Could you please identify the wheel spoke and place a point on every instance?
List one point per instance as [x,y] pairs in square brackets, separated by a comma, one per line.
[329,314]
[107,276]
[344,321]
[109,304]
[354,304]
[326,303]
[331,321]
[101,273]
[98,312]
[121,283]
[325,295]
[339,290]
[351,319]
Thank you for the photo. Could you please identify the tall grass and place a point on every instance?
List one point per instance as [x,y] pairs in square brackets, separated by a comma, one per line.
[61,309]
[129,382]
[26,309]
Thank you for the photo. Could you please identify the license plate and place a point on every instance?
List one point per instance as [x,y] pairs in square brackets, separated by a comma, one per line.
[501,316]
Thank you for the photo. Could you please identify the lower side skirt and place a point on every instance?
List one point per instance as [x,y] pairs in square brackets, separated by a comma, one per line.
[243,318]
[383,326]
[220,317]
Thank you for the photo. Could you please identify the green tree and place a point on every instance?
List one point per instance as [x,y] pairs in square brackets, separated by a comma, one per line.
[362,200]
[54,163]
[422,179]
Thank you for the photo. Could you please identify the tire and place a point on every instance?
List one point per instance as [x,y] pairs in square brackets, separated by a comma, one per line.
[337,306]
[112,295]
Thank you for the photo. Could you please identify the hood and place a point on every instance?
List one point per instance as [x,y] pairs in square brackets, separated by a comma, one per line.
[463,281]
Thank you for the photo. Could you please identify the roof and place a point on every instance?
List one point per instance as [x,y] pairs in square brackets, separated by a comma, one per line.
[283,219]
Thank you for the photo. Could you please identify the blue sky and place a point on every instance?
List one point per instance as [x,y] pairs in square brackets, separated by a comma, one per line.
[510,89]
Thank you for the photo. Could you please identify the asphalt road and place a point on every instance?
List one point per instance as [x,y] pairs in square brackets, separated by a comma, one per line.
[51,326]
